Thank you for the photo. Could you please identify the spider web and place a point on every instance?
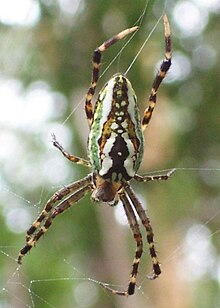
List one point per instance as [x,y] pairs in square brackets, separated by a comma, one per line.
[18,289]
[24,294]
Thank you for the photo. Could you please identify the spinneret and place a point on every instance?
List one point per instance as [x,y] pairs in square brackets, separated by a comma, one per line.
[115,149]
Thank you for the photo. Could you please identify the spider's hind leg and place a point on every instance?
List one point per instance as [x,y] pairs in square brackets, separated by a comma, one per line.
[96,62]
[160,76]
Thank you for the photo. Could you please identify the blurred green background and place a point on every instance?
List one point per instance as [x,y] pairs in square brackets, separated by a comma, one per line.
[45,70]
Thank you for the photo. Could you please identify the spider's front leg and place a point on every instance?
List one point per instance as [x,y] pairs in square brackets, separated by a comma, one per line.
[139,248]
[146,223]
[138,238]
[73,193]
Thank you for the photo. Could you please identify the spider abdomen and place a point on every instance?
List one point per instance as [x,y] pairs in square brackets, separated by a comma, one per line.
[116,140]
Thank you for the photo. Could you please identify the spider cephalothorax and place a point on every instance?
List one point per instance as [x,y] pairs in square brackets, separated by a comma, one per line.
[115,149]
[105,191]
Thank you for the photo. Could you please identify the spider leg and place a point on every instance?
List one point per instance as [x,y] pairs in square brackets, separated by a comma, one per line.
[138,238]
[160,76]
[139,250]
[73,158]
[76,191]
[58,196]
[153,177]
[146,223]
[96,67]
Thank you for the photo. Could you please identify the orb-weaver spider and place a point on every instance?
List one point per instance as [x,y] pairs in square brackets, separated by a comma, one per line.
[115,149]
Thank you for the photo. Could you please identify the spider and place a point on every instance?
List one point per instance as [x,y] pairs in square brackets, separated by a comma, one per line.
[115,147]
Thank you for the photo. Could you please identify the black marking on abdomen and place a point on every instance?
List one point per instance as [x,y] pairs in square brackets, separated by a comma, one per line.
[118,154]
